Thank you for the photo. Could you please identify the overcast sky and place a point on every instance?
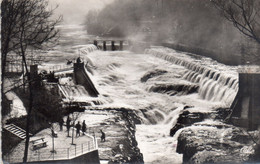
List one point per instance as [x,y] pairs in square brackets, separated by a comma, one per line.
[74,11]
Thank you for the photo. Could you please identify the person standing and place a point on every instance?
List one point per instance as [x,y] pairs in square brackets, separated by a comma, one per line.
[61,122]
[78,127]
[84,127]
[103,136]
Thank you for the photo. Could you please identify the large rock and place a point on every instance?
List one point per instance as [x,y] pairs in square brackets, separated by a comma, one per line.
[174,89]
[127,150]
[119,128]
[215,142]
[185,119]
[152,74]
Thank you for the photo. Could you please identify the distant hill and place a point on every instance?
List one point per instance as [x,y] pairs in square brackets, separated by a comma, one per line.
[192,23]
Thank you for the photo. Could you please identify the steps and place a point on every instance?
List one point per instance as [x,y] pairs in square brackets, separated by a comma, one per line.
[19,132]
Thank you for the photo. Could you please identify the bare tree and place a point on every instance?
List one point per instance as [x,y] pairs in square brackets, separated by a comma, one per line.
[75,116]
[27,21]
[26,24]
[9,16]
[244,14]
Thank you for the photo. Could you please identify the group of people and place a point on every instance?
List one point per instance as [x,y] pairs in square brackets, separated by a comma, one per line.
[79,127]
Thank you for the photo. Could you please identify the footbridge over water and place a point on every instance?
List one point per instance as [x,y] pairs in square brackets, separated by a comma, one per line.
[111,44]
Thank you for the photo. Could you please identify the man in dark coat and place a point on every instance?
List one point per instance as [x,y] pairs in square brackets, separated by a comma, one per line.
[61,122]
[84,127]
[78,127]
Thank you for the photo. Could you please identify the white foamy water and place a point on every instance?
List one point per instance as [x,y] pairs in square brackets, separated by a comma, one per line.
[17,107]
[217,82]
[117,78]
[156,144]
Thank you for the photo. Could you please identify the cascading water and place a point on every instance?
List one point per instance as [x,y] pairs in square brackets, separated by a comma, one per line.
[118,78]
[86,49]
[214,85]
[130,81]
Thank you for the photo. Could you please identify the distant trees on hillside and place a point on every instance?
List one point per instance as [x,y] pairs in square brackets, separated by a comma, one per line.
[129,16]
[189,22]
[117,19]
[193,23]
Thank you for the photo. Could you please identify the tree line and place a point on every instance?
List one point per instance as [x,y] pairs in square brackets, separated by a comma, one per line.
[226,27]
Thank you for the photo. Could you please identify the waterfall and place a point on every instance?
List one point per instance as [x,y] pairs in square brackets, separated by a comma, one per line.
[88,49]
[74,91]
[214,85]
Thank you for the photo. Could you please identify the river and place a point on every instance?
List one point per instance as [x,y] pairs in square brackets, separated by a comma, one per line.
[117,76]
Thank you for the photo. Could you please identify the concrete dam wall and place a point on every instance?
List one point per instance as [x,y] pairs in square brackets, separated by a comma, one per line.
[81,77]
[215,83]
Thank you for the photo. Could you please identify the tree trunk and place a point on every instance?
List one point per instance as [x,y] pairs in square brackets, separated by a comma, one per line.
[29,108]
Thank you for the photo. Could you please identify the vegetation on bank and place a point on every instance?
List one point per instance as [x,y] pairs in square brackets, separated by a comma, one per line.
[26,25]
[195,24]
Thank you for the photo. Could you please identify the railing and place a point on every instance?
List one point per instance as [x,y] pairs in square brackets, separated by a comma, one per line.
[58,154]
[62,67]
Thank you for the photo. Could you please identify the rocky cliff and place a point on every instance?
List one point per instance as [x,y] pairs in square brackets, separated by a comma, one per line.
[207,138]
[119,127]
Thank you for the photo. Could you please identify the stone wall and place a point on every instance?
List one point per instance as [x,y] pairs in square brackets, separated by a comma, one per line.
[246,107]
[81,77]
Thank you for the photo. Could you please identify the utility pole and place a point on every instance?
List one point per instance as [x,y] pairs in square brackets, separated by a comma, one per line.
[52,135]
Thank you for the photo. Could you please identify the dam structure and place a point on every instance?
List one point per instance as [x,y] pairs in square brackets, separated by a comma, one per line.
[81,77]
[131,80]
[216,82]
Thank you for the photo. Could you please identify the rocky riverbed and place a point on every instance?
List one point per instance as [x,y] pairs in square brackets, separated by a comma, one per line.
[119,126]
[208,138]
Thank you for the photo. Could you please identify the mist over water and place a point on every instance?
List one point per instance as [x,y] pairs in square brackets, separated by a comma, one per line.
[75,11]
[195,25]
[117,76]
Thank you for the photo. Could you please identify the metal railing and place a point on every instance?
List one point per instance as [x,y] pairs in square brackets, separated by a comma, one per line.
[58,154]
[62,67]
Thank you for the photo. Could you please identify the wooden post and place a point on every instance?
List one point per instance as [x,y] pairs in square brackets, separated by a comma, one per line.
[113,48]
[104,45]
[96,43]
[82,148]
[121,45]
[12,67]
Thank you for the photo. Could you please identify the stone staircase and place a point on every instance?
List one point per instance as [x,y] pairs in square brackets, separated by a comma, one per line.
[19,132]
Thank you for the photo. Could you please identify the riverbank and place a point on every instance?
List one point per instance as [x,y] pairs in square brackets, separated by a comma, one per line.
[118,124]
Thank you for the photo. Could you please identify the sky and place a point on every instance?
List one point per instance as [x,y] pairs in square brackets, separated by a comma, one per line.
[74,11]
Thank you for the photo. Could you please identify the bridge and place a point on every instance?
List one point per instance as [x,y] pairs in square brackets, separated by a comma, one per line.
[112,44]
